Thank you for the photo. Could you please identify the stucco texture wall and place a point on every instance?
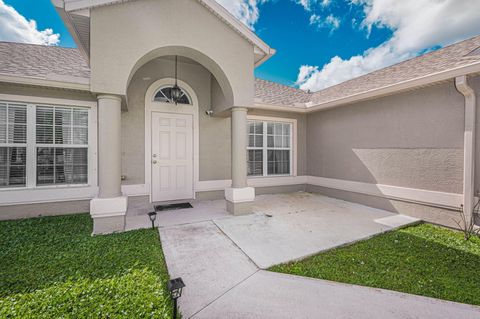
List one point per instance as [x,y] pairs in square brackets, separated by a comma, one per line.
[125,36]
[214,144]
[413,139]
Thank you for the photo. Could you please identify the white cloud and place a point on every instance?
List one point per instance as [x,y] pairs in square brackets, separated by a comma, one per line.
[244,10]
[326,3]
[309,4]
[330,22]
[306,4]
[16,28]
[417,25]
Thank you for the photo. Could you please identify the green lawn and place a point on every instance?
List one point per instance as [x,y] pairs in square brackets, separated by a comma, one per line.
[51,267]
[424,260]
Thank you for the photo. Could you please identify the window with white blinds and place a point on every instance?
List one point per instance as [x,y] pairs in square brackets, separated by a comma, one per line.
[43,145]
[269,150]
[61,145]
[13,142]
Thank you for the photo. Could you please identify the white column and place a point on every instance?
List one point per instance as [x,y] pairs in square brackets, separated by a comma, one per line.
[239,197]
[109,208]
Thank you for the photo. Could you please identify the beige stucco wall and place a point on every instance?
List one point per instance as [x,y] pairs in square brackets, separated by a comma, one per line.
[127,35]
[214,139]
[413,139]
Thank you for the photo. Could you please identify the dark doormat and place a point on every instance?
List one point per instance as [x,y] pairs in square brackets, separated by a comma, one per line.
[160,208]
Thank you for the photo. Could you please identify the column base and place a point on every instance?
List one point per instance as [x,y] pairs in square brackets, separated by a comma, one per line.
[108,214]
[239,209]
[240,200]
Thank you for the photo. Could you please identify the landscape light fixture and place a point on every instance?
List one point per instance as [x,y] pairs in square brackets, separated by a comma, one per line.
[152,216]
[175,287]
[176,90]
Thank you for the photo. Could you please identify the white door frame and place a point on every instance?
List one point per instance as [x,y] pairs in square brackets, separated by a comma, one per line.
[153,106]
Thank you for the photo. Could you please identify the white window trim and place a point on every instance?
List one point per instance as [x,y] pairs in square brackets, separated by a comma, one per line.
[51,193]
[293,144]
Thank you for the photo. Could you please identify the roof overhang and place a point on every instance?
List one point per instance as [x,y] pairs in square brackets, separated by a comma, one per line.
[76,16]
[469,69]
[412,84]
[82,85]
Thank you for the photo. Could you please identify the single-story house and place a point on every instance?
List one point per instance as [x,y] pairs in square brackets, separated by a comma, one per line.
[159,103]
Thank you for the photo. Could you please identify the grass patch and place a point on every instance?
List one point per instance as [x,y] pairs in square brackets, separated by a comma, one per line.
[53,268]
[424,260]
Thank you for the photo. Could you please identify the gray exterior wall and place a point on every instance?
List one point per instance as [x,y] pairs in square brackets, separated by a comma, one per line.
[214,148]
[413,139]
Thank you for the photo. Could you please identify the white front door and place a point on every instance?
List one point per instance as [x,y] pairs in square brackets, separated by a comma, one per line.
[172,156]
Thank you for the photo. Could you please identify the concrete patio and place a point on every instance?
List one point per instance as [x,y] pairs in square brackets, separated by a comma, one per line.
[221,259]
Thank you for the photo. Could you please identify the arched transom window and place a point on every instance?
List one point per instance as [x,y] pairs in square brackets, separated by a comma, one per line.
[164,95]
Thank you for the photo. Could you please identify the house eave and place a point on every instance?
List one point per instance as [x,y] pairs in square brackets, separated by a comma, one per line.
[4,78]
[473,68]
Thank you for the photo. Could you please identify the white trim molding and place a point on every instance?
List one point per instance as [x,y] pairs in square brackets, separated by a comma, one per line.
[32,193]
[46,195]
[413,195]
[293,141]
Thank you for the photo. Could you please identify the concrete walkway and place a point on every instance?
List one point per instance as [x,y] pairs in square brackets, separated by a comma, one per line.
[220,259]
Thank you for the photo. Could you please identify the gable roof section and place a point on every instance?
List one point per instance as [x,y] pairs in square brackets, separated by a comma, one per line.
[456,56]
[75,13]
[43,65]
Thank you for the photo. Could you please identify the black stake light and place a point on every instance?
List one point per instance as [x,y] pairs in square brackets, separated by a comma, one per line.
[176,91]
[152,216]
[175,286]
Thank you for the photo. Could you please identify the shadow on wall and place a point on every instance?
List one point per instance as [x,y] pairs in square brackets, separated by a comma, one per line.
[413,140]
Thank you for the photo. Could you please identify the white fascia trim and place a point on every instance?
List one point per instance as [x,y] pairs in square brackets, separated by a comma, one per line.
[281,108]
[45,83]
[413,195]
[46,195]
[397,87]
[220,185]
[46,100]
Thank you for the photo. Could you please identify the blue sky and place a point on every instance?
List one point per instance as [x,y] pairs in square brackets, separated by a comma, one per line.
[319,42]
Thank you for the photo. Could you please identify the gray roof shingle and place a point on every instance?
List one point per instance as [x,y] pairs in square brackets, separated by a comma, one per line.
[278,94]
[43,62]
[449,57]
[68,65]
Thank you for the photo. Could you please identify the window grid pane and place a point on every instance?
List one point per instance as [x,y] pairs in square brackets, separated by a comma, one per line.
[13,163]
[60,163]
[255,162]
[274,158]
